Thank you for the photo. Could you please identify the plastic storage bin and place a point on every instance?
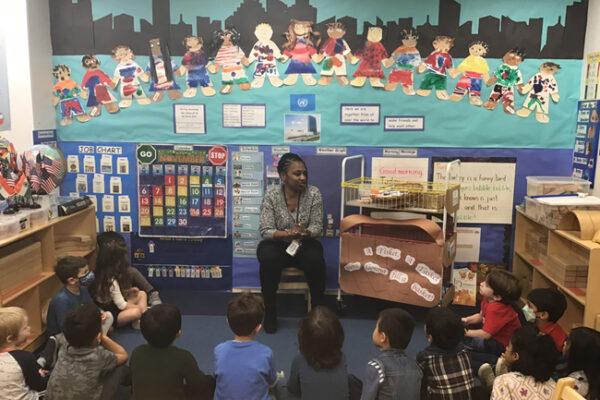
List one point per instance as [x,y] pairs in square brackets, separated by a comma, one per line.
[38,216]
[549,211]
[556,185]
[9,226]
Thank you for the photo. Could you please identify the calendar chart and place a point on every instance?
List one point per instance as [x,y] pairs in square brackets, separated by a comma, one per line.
[182,190]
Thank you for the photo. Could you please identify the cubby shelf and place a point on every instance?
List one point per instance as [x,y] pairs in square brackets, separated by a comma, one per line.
[27,261]
[535,270]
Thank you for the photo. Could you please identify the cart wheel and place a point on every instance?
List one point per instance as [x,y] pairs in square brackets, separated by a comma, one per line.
[340,307]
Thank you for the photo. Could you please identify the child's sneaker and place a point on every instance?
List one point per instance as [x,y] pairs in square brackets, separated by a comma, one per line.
[154,298]
[487,376]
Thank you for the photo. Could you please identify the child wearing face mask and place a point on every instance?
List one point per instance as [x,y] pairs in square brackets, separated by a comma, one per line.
[74,274]
[545,306]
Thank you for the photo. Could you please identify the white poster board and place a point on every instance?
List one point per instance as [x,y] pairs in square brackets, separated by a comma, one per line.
[406,169]
[468,243]
[486,191]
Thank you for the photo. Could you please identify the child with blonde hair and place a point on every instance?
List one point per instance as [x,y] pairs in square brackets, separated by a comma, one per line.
[20,376]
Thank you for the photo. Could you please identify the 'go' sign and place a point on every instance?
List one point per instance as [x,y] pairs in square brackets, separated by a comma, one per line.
[146,154]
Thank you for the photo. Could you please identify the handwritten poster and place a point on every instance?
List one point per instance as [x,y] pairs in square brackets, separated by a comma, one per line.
[486,190]
[359,114]
[406,169]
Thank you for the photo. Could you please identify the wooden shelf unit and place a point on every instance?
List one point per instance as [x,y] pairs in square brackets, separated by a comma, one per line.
[31,283]
[531,266]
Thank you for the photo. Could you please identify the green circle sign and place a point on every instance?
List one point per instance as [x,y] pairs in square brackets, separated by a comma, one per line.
[146,154]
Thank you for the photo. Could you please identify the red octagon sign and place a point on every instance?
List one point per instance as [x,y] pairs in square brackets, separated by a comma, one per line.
[217,155]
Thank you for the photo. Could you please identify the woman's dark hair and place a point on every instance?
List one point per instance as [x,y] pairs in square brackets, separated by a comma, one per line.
[321,338]
[286,160]
[537,354]
[584,355]
[111,263]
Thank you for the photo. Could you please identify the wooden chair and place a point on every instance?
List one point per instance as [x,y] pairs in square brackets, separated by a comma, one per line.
[565,390]
[294,281]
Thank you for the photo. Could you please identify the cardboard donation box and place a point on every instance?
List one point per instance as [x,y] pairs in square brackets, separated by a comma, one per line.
[395,260]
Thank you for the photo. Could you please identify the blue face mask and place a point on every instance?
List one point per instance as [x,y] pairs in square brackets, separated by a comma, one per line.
[528,313]
[87,279]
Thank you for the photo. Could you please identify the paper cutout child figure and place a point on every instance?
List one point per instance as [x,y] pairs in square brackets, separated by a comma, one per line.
[95,84]
[300,47]
[266,53]
[505,77]
[475,70]
[161,70]
[371,58]
[540,88]
[407,58]
[334,53]
[66,96]
[229,59]
[436,65]
[194,61]
[128,73]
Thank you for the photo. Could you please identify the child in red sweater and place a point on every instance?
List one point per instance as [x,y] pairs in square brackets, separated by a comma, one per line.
[498,316]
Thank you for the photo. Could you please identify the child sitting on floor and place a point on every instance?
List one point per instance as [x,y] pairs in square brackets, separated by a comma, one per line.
[244,367]
[87,362]
[531,359]
[20,376]
[498,314]
[74,274]
[447,373]
[545,306]
[582,352]
[112,287]
[320,370]
[160,370]
[392,374]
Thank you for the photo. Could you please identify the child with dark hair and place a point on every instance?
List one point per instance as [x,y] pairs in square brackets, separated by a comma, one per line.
[88,360]
[500,291]
[112,287]
[447,373]
[160,370]
[138,280]
[392,374]
[74,274]
[582,352]
[244,367]
[20,376]
[320,370]
[531,360]
[545,306]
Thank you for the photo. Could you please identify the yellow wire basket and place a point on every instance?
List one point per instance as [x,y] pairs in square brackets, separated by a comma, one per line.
[389,193]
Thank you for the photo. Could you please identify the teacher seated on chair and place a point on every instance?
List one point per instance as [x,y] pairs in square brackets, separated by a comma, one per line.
[290,214]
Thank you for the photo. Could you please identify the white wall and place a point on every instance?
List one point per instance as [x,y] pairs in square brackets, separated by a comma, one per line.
[592,43]
[25,26]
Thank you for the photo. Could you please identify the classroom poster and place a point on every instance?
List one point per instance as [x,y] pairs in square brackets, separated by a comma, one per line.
[586,140]
[248,191]
[182,190]
[107,175]
[486,190]
[403,169]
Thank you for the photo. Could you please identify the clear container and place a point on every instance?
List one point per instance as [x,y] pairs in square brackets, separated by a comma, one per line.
[556,185]
[38,216]
[9,226]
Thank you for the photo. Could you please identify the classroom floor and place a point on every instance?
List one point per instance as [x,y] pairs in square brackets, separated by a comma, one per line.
[205,326]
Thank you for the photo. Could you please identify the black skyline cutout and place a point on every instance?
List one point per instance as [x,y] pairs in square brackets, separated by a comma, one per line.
[74,32]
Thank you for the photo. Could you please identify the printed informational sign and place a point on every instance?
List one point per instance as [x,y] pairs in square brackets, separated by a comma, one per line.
[189,118]
[486,190]
[360,114]
[248,191]
[107,175]
[592,76]
[404,123]
[586,140]
[244,115]
[182,190]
